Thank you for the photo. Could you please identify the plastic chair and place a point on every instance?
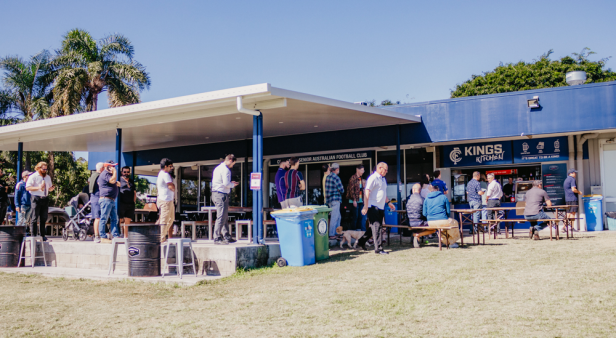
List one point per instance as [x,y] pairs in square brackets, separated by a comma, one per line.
[179,255]
[33,246]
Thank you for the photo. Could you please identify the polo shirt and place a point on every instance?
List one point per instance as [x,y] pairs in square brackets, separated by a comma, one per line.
[495,192]
[473,188]
[570,196]
[442,186]
[292,179]
[107,189]
[378,191]
[281,187]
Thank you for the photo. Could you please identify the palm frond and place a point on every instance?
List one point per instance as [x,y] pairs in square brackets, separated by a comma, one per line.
[133,73]
[116,44]
[121,94]
[80,41]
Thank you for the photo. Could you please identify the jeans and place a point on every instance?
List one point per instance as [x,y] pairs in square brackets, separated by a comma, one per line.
[24,214]
[359,220]
[108,213]
[40,208]
[540,215]
[476,215]
[334,222]
[221,201]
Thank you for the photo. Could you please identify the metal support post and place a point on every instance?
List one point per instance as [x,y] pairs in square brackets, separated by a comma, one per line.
[20,156]
[255,168]
[118,160]
[259,161]
[398,167]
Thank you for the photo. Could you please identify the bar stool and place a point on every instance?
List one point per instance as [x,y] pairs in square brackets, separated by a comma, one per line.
[33,256]
[179,255]
[114,253]
[239,226]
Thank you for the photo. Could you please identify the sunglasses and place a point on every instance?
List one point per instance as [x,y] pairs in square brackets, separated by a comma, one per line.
[43,169]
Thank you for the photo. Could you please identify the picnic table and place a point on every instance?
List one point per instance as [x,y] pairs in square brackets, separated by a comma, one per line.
[438,229]
[210,210]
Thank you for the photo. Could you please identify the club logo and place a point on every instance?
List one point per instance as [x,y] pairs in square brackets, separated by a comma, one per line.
[553,167]
[132,251]
[322,226]
[454,155]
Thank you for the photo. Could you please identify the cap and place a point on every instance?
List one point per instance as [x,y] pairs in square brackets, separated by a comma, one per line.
[25,173]
[335,165]
[110,163]
[572,170]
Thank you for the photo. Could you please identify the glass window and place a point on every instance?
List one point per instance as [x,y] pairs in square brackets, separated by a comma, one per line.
[418,163]
[188,189]
[389,157]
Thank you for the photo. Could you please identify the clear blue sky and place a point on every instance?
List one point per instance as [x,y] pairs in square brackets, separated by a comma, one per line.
[410,51]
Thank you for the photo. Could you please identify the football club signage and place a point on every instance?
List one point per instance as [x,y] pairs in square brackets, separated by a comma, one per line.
[541,150]
[490,153]
[359,155]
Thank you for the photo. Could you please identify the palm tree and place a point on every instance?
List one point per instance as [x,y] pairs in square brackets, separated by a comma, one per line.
[86,68]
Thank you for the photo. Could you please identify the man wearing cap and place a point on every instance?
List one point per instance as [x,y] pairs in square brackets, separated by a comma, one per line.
[279,181]
[375,198]
[22,200]
[571,194]
[39,185]
[108,189]
[334,191]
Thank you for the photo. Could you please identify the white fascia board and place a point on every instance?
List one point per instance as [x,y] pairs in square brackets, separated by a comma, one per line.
[289,94]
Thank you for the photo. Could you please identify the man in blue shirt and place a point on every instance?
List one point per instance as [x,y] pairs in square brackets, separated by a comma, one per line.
[281,188]
[108,189]
[474,192]
[22,200]
[571,194]
[442,186]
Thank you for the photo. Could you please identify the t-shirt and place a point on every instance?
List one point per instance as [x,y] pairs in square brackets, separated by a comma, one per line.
[534,201]
[508,189]
[127,191]
[378,190]
[164,194]
[107,189]
[292,179]
[4,197]
[281,187]
[570,196]
[473,188]
[442,186]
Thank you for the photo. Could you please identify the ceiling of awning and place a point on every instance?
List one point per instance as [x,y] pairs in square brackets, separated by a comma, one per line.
[197,119]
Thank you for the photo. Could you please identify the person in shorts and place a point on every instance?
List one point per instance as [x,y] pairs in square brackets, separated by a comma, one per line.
[571,195]
[95,208]
[128,197]
[165,198]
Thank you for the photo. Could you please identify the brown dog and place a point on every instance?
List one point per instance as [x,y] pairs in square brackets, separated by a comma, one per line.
[347,235]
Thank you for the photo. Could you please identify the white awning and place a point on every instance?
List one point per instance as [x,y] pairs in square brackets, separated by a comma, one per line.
[210,117]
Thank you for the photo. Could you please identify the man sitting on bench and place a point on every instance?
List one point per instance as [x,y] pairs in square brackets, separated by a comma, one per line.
[414,210]
[436,210]
[534,208]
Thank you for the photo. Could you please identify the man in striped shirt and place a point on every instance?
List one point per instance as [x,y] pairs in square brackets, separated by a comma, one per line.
[294,183]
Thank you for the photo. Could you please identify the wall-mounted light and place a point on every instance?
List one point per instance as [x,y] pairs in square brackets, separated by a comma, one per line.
[534,102]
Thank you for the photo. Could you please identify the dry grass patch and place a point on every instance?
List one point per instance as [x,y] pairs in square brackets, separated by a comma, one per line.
[507,288]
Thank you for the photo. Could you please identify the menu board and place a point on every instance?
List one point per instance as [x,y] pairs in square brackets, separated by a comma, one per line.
[554,176]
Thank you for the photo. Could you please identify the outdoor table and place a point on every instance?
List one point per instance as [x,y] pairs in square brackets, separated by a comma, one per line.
[141,212]
[561,212]
[466,217]
[209,210]
[506,211]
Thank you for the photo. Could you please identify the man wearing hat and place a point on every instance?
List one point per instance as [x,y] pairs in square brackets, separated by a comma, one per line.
[571,194]
[108,186]
[333,193]
[22,200]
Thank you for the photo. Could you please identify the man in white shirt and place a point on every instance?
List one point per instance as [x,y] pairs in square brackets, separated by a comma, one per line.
[39,185]
[221,187]
[374,206]
[164,200]
[494,194]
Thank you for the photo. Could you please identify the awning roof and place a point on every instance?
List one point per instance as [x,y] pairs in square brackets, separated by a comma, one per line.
[210,117]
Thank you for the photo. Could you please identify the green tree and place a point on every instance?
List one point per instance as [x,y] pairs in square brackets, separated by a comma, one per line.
[87,67]
[541,73]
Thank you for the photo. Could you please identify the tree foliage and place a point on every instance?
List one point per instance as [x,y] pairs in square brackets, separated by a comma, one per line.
[541,73]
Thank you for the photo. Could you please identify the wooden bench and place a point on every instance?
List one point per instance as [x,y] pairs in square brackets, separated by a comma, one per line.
[438,229]
[553,223]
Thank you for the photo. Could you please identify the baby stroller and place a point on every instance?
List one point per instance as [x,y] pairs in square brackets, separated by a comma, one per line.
[79,223]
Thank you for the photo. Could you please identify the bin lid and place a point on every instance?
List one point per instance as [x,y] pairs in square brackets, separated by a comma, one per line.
[294,212]
[593,197]
[320,208]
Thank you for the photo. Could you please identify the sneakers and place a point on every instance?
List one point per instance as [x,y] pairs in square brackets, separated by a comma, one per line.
[453,246]
[382,253]
[230,239]
[531,232]
[415,242]
[536,236]
[97,239]
[219,241]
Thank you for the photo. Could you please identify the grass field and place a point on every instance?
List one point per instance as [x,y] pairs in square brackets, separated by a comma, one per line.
[506,288]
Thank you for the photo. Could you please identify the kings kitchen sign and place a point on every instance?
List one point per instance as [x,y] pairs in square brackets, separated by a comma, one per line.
[490,153]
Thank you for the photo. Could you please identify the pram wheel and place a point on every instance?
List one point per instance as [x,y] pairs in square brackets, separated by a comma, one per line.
[64,234]
[83,235]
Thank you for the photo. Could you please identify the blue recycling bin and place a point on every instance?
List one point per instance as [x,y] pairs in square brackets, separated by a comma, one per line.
[391,217]
[296,236]
[593,208]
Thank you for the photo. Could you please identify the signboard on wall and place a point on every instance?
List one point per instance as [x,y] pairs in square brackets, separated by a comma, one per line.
[355,155]
[541,150]
[489,153]
[554,176]
[255,181]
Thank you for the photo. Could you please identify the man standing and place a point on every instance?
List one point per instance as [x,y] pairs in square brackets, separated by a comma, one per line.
[355,194]
[39,185]
[334,191]
[108,189]
[442,186]
[571,195]
[281,188]
[294,182]
[4,197]
[23,200]
[95,207]
[508,190]
[128,197]
[494,193]
[474,192]
[533,210]
[221,187]
[164,200]
[374,207]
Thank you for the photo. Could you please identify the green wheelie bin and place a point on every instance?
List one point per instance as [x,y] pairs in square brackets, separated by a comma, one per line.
[321,226]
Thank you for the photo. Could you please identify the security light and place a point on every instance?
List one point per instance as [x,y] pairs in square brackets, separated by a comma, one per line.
[534,102]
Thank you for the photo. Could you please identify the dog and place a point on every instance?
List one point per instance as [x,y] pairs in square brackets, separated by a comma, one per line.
[347,235]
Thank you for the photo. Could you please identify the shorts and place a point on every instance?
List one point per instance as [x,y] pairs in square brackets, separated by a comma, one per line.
[95,207]
[572,209]
[126,211]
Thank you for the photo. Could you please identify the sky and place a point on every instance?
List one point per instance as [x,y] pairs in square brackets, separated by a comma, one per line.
[408,51]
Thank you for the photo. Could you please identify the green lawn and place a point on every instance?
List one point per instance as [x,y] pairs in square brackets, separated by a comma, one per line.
[506,288]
